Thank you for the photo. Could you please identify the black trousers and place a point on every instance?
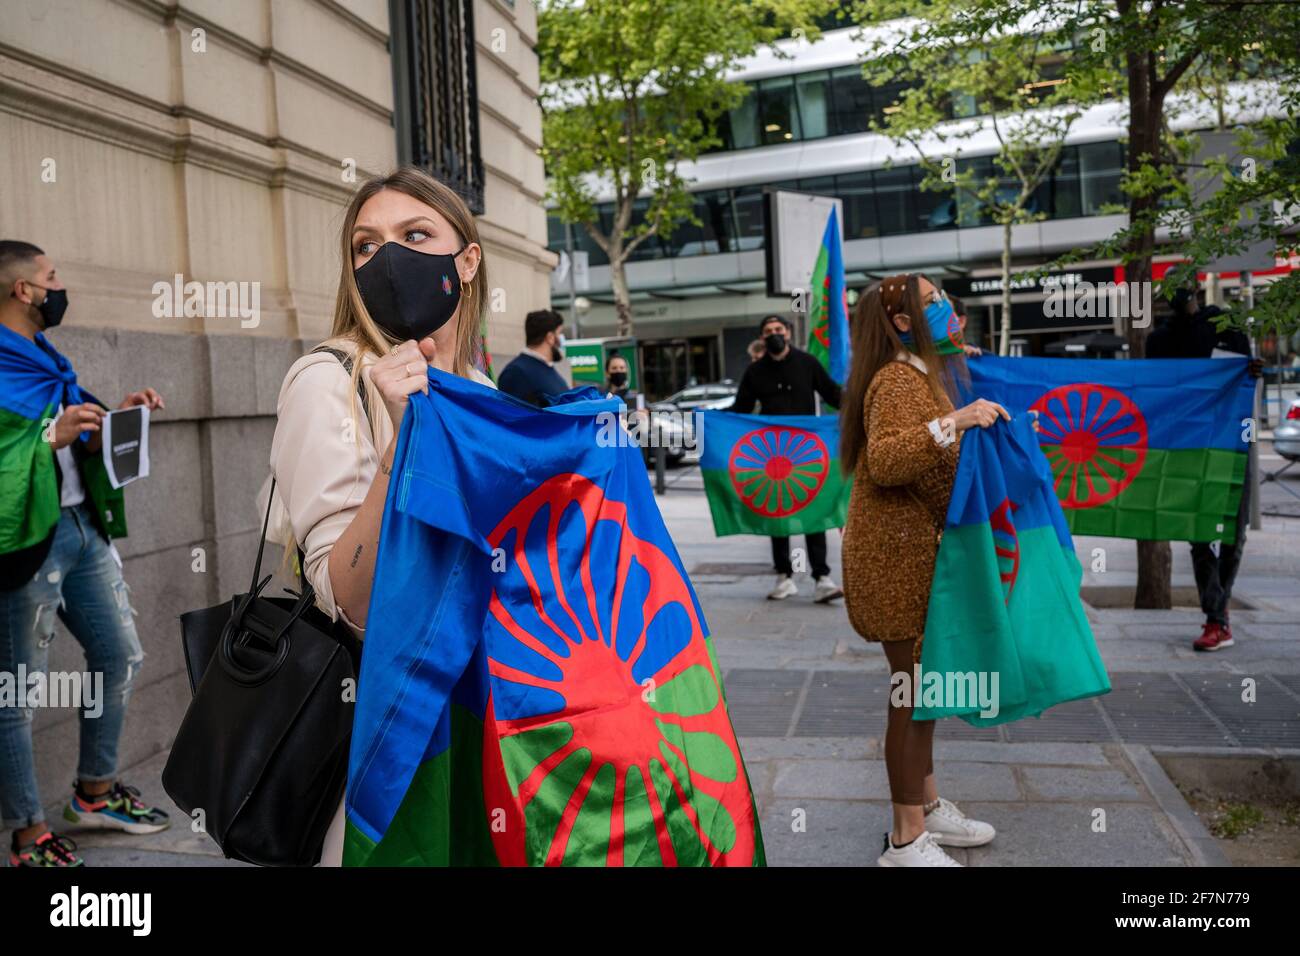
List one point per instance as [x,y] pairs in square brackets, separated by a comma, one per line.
[816,554]
[1216,571]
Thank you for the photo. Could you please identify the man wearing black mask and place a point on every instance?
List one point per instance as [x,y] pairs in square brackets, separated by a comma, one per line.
[531,375]
[785,381]
[58,514]
[1191,333]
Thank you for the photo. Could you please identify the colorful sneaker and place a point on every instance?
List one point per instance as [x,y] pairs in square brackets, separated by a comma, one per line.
[48,849]
[1215,637]
[119,809]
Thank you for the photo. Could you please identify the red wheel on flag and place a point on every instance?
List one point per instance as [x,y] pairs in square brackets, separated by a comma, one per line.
[1095,439]
[777,470]
[1006,545]
[610,741]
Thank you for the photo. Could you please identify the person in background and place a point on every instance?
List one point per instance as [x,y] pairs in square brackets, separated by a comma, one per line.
[959,308]
[1191,333]
[57,559]
[616,379]
[531,374]
[786,381]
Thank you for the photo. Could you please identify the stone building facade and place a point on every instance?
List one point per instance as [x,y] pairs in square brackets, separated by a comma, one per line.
[218,141]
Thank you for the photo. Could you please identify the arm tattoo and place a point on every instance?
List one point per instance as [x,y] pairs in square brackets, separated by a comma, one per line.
[385,468]
[356,555]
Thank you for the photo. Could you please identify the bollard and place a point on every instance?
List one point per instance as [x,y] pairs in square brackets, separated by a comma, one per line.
[660,485]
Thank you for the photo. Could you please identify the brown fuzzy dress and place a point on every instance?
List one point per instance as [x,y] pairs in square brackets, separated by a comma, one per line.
[901,485]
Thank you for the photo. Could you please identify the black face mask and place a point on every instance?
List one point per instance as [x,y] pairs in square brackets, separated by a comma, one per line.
[775,343]
[409,294]
[618,379]
[53,307]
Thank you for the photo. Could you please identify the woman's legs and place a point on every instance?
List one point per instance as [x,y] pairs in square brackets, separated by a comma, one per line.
[908,753]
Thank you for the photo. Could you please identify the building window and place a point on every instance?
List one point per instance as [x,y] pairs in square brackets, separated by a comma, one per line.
[436,95]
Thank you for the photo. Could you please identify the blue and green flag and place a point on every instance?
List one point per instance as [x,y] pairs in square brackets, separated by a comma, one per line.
[774,475]
[1005,634]
[828,320]
[538,685]
[1153,449]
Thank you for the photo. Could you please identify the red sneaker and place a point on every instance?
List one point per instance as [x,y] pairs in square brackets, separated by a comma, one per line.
[1214,637]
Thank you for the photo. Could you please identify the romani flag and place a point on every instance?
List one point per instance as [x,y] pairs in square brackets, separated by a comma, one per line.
[828,326]
[35,379]
[539,687]
[1153,449]
[1006,635]
[773,474]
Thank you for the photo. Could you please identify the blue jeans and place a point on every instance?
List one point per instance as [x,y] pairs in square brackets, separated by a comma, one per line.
[81,583]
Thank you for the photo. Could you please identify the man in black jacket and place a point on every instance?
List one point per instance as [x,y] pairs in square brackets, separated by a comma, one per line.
[785,381]
[1191,333]
[531,374]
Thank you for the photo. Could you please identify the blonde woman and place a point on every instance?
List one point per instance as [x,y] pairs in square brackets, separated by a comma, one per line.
[410,297]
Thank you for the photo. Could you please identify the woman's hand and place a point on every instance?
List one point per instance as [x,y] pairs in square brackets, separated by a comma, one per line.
[972,350]
[980,413]
[401,373]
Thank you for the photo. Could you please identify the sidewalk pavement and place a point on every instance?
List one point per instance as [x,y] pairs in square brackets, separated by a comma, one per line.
[1079,787]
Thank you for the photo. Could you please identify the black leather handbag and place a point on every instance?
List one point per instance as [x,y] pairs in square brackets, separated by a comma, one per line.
[263,748]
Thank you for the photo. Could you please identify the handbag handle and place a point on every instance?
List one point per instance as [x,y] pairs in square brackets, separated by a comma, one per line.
[261,546]
[279,639]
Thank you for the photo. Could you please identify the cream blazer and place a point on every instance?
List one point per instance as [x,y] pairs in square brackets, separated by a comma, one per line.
[324,456]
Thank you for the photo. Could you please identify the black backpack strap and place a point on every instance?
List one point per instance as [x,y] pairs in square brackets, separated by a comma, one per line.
[346,361]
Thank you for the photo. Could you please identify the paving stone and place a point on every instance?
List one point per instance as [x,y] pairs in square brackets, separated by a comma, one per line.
[840,748]
[835,832]
[1060,834]
[1070,783]
[1021,753]
[966,780]
[831,779]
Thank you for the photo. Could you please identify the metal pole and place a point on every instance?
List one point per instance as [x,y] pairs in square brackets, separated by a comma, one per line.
[660,483]
[1248,297]
[568,245]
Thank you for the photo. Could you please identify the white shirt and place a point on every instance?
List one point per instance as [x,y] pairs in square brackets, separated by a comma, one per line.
[539,356]
[324,460]
[73,491]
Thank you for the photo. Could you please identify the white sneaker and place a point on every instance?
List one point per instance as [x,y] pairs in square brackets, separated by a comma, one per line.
[922,851]
[827,590]
[951,827]
[785,587]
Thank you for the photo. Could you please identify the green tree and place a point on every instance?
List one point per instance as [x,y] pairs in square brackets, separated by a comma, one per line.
[1175,61]
[981,70]
[632,89]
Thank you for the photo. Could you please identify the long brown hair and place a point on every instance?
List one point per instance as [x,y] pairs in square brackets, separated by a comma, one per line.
[353,322]
[876,343]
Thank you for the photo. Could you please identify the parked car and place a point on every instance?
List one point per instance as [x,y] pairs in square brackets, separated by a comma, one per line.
[714,395]
[1286,437]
